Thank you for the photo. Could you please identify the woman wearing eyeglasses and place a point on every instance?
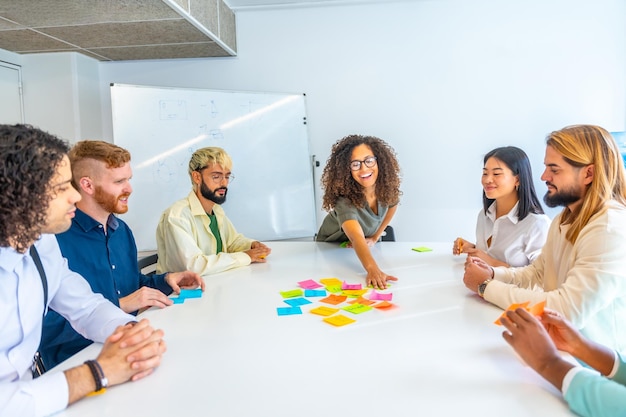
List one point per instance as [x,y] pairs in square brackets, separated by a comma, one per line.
[361,182]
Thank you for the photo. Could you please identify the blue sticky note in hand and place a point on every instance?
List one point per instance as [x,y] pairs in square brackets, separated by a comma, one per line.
[178,300]
[197,293]
[295,302]
[286,311]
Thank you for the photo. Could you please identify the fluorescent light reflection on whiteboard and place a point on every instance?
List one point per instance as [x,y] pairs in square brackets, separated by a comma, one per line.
[172,151]
[259,112]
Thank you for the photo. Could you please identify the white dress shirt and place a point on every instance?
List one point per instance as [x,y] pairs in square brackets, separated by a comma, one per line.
[516,242]
[21,315]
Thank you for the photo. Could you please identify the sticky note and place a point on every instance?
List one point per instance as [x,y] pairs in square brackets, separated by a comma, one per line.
[178,300]
[334,299]
[196,293]
[354,293]
[357,308]
[315,293]
[363,301]
[309,284]
[422,249]
[324,311]
[292,293]
[381,296]
[295,302]
[330,281]
[286,311]
[383,305]
[536,310]
[346,286]
[339,320]
[333,288]
[345,244]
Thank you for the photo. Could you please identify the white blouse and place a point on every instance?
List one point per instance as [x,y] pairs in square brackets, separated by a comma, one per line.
[516,242]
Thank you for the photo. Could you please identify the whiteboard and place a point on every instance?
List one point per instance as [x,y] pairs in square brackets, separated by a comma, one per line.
[272,196]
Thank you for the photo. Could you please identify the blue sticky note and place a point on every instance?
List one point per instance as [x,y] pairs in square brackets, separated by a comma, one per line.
[197,293]
[315,293]
[286,311]
[295,302]
[178,300]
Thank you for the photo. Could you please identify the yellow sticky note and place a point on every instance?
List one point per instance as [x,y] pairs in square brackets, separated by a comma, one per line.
[422,249]
[354,293]
[333,288]
[339,320]
[324,311]
[330,281]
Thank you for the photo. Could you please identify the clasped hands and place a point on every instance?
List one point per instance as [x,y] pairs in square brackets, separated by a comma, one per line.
[132,352]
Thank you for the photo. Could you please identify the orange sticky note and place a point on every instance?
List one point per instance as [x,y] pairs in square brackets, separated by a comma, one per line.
[363,301]
[536,310]
[334,299]
[383,305]
[339,320]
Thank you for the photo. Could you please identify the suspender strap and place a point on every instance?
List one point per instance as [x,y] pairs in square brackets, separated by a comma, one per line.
[42,275]
[38,367]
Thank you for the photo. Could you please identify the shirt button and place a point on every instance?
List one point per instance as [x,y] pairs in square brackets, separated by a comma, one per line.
[118,292]
[100,226]
[112,266]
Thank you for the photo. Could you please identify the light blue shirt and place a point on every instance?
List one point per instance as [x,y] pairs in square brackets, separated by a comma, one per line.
[591,394]
[21,316]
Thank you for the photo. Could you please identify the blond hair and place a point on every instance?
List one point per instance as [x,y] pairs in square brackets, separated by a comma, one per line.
[208,156]
[583,145]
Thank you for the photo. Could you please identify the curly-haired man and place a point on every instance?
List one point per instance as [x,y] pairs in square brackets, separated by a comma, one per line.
[38,200]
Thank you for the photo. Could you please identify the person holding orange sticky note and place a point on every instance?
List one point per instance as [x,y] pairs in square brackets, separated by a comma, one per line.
[587,393]
[511,228]
[581,271]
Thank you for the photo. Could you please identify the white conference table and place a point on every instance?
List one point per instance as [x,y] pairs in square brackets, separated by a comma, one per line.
[437,353]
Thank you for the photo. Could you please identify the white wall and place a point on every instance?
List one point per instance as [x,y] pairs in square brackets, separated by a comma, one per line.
[62,94]
[442,81]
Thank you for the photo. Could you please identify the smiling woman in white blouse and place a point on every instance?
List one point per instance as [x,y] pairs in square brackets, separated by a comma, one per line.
[511,228]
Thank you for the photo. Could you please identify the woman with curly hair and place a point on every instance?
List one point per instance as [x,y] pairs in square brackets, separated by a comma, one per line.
[361,182]
[511,228]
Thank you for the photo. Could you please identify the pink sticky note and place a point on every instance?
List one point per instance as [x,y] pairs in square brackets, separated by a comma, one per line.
[381,296]
[309,284]
[346,286]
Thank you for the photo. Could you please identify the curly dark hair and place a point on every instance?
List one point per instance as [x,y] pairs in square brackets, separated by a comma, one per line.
[30,158]
[337,180]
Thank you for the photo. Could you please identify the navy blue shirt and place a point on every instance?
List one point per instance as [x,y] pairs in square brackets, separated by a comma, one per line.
[109,263]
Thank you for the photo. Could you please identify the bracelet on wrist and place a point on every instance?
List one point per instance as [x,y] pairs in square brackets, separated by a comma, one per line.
[98,375]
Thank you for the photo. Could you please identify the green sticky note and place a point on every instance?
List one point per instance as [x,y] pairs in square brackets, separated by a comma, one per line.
[422,249]
[357,308]
[345,244]
[291,293]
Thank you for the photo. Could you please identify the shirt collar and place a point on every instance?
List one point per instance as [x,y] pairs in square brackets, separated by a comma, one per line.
[196,207]
[511,215]
[87,223]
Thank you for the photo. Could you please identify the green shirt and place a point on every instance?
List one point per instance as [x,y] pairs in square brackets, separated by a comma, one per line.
[216,232]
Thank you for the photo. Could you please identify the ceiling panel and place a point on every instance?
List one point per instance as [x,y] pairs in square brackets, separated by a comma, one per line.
[140,29]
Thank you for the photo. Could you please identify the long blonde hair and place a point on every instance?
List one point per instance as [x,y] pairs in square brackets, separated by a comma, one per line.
[582,145]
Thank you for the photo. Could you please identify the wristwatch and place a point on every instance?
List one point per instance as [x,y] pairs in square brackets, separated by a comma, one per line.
[482,287]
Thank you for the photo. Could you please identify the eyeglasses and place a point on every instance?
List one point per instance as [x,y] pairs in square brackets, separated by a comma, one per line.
[369,162]
[217,177]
